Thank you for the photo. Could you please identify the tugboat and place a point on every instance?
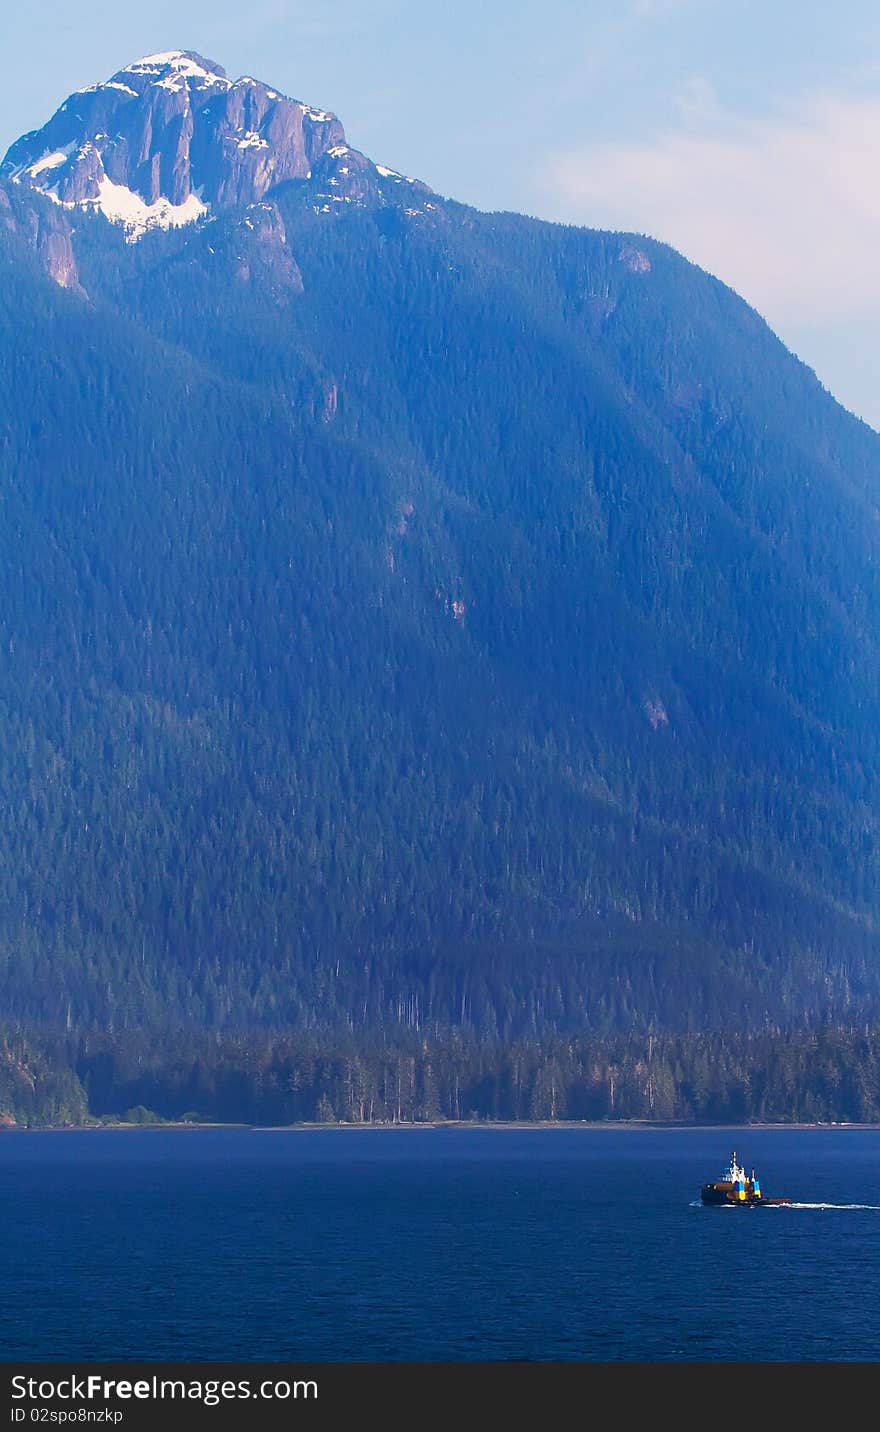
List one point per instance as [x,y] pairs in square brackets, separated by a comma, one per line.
[736,1190]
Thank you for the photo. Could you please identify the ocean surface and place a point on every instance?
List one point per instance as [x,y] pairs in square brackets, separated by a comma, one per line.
[450,1244]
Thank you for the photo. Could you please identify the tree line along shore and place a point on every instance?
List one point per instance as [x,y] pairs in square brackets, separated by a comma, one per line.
[831,1075]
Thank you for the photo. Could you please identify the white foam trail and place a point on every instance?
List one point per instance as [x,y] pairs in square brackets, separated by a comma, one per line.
[863,1207]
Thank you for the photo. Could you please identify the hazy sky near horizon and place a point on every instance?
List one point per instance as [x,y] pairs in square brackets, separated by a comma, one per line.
[744,132]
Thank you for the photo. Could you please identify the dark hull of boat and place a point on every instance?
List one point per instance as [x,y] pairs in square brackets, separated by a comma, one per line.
[712,1197]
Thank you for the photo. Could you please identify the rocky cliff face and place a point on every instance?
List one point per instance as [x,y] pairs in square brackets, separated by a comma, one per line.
[169,141]
[170,138]
[47,230]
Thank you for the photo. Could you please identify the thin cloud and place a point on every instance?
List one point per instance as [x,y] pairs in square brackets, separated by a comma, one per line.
[787,210]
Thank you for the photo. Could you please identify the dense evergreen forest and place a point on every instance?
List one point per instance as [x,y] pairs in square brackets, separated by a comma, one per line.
[436,647]
[776,1077]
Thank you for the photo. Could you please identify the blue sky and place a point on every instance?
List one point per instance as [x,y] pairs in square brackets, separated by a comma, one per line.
[745,132]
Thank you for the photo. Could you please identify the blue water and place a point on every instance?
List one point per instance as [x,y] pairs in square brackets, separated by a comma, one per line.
[435,1244]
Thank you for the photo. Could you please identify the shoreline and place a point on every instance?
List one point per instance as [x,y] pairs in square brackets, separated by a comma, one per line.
[431,1126]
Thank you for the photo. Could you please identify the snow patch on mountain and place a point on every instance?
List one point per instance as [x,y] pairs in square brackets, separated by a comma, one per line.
[170,138]
[105,85]
[394,174]
[50,161]
[320,116]
[181,65]
[118,203]
[121,206]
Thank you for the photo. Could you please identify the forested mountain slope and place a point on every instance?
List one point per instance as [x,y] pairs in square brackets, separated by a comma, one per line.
[411,615]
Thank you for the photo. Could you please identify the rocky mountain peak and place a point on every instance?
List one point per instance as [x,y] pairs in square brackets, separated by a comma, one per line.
[172,69]
[168,138]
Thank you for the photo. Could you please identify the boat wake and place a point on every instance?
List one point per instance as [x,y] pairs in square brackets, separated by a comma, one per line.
[840,1207]
[864,1207]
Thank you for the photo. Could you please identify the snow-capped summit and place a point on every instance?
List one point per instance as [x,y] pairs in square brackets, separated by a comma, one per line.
[168,138]
[172,69]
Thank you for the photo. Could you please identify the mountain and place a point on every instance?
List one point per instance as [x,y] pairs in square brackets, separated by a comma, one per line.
[413,619]
[170,140]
